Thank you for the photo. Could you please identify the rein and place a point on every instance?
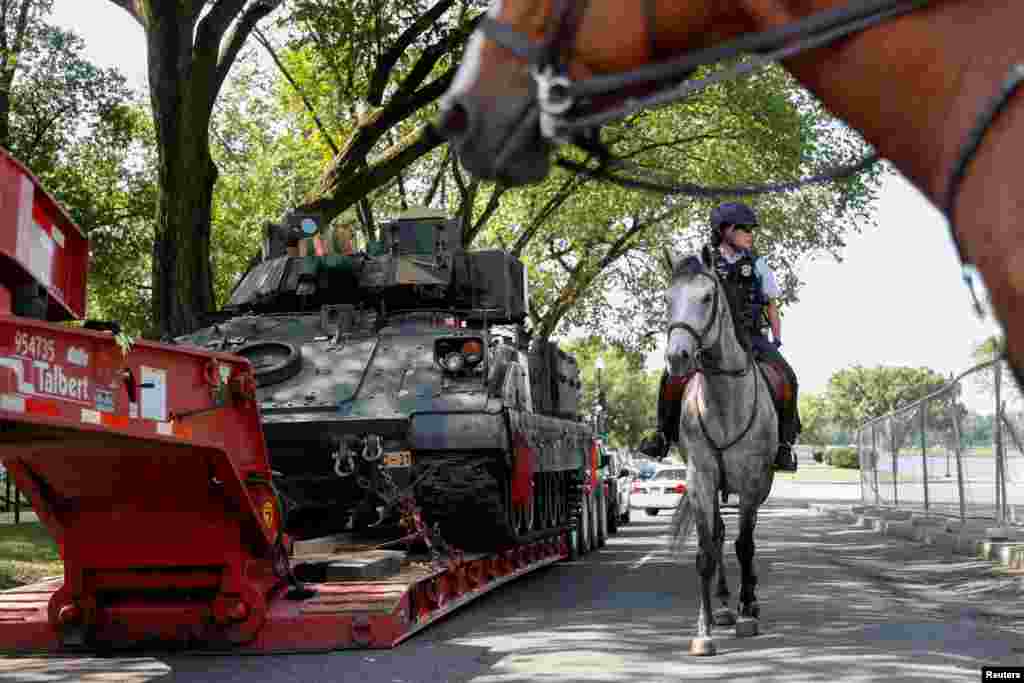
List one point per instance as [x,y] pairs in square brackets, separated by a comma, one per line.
[702,358]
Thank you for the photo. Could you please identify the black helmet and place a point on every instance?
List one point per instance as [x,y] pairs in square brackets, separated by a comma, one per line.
[732,213]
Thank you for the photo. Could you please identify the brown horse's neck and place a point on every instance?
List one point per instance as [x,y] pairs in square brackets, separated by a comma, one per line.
[913,85]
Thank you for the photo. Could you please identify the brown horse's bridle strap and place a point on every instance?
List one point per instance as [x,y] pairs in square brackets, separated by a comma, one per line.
[558,41]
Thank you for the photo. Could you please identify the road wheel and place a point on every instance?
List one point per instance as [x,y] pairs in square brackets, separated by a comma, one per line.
[625,516]
[601,512]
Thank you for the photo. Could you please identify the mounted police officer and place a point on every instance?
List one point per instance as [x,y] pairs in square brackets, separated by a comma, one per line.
[754,291]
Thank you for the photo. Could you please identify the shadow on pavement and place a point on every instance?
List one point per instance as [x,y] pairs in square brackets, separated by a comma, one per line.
[838,604]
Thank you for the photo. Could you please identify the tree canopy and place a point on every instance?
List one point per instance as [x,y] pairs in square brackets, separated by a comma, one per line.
[858,394]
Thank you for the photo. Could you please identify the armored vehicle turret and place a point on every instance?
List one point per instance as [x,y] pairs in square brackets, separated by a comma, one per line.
[405,367]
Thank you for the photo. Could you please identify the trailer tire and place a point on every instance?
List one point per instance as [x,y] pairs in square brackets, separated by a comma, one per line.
[601,512]
[592,521]
[583,526]
[613,509]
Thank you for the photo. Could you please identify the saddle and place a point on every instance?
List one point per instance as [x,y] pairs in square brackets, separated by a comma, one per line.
[670,399]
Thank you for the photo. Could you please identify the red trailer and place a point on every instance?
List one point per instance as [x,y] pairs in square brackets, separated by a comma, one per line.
[148,466]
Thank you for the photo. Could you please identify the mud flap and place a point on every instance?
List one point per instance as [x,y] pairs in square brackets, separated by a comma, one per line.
[522,471]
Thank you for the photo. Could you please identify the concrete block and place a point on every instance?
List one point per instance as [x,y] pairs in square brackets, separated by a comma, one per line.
[323,545]
[999,551]
[940,539]
[920,519]
[866,521]
[372,564]
[1016,558]
[900,529]
[999,533]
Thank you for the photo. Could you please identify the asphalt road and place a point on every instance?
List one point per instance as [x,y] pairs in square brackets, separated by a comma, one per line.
[838,604]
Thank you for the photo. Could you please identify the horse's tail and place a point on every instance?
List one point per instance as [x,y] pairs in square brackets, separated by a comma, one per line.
[681,525]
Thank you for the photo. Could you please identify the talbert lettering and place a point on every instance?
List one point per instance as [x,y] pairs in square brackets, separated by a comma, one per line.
[52,380]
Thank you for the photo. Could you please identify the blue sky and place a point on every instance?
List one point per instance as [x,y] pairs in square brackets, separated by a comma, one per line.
[897,298]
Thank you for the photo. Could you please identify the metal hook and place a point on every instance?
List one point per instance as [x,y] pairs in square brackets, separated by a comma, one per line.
[338,456]
[366,448]
[554,101]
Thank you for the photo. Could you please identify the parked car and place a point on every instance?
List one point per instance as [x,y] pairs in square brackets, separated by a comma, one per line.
[662,491]
[618,481]
[624,486]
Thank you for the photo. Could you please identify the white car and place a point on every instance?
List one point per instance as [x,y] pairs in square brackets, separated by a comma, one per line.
[662,491]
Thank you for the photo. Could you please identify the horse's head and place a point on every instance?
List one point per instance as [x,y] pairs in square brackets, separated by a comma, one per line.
[491,112]
[697,309]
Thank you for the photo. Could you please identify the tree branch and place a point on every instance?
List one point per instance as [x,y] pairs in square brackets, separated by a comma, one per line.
[387,61]
[262,39]
[561,195]
[341,195]
[131,7]
[236,39]
[215,24]
[492,205]
[436,182]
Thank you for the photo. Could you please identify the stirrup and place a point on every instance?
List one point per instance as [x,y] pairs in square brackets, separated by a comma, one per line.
[785,459]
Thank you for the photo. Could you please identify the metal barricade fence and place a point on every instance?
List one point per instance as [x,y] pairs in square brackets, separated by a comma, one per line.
[927,456]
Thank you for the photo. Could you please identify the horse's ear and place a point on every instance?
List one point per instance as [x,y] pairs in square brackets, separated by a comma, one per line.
[670,260]
[705,256]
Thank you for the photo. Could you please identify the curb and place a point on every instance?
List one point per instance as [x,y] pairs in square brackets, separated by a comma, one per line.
[987,543]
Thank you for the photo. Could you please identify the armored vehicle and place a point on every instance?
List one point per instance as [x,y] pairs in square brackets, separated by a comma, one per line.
[406,367]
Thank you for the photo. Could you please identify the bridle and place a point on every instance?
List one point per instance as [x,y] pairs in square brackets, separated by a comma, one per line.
[565,105]
[703,358]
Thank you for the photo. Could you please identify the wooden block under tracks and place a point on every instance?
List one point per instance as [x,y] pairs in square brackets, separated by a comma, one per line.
[372,564]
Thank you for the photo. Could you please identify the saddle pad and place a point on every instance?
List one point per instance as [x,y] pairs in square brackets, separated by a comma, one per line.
[674,386]
[781,390]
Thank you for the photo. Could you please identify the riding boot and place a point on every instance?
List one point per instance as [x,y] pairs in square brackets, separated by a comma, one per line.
[789,421]
[668,422]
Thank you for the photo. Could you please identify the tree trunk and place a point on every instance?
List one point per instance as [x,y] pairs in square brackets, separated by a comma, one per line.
[5,115]
[182,274]
[180,97]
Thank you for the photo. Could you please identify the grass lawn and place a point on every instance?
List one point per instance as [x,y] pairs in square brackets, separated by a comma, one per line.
[819,473]
[27,554]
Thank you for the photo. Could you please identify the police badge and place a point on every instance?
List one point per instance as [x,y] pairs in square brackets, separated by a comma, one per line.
[745,270]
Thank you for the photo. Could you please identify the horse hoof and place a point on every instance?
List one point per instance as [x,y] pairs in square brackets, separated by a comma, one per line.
[746,627]
[702,647]
[724,617]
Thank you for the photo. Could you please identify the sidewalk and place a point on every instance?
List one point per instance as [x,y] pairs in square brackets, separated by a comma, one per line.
[977,539]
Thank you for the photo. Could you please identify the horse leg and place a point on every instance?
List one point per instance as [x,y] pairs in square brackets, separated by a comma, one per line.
[723,615]
[748,609]
[707,515]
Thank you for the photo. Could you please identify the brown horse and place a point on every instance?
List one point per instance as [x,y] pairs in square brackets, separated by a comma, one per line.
[919,86]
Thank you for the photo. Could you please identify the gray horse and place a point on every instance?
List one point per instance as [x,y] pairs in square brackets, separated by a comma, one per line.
[729,430]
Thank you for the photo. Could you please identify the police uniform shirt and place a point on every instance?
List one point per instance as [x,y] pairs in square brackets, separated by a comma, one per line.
[769,286]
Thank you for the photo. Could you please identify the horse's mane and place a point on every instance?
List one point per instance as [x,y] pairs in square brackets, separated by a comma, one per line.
[695,264]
